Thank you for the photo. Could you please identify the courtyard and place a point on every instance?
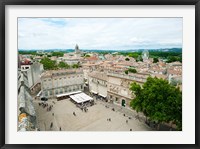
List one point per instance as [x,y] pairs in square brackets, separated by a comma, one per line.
[102,116]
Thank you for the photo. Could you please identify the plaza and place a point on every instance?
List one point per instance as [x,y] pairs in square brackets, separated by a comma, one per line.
[102,116]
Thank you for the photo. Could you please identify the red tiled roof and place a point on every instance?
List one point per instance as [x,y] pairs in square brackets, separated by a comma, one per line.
[93,58]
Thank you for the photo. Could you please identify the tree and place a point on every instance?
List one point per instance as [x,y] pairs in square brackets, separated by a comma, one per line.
[132,70]
[48,64]
[127,59]
[87,55]
[139,58]
[58,54]
[76,65]
[155,60]
[63,65]
[134,55]
[158,100]
[171,59]
[27,52]
[126,71]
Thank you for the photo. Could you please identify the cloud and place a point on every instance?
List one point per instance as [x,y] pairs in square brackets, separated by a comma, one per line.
[99,33]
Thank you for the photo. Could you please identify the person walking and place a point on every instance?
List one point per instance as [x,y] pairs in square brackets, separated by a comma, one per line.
[74,113]
[51,125]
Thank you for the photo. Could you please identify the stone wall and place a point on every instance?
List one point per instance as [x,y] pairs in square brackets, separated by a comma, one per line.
[26,111]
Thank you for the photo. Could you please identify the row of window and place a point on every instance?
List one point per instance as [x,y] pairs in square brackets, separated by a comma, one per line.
[61,84]
[65,90]
[64,78]
[99,81]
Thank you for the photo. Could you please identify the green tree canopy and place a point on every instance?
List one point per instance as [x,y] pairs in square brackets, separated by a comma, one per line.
[48,63]
[58,54]
[87,55]
[127,59]
[158,100]
[132,70]
[171,59]
[126,71]
[76,66]
[155,60]
[139,58]
[63,65]
[134,55]
[28,52]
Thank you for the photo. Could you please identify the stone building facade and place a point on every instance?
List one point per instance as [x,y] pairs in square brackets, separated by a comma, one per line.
[55,82]
[119,84]
[32,73]
[26,111]
[98,83]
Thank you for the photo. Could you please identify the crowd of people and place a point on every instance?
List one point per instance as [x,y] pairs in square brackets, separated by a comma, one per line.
[45,105]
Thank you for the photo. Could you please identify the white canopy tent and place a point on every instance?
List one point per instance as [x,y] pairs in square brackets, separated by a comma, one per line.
[102,95]
[93,92]
[39,94]
[81,97]
[67,94]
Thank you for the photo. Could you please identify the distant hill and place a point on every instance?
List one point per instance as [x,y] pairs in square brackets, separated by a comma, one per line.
[179,50]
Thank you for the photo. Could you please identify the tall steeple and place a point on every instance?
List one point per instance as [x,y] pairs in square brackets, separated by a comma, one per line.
[77,49]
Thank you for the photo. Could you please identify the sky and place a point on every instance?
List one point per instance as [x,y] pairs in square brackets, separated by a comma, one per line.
[99,33]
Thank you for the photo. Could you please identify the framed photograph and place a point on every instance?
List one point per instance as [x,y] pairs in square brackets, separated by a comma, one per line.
[100,74]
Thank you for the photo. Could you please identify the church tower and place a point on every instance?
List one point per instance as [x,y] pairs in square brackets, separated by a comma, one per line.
[77,49]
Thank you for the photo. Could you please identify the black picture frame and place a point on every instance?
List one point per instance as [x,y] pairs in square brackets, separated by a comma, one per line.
[4,3]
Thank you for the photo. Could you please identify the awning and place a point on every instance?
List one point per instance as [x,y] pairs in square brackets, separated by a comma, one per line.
[39,93]
[93,92]
[67,94]
[81,97]
[102,95]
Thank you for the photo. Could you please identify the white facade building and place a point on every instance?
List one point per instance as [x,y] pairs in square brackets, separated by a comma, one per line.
[32,72]
[55,82]
[98,83]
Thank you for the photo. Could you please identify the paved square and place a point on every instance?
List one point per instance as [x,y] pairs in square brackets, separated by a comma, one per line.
[95,119]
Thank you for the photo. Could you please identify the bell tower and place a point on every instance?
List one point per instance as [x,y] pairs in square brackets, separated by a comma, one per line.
[77,49]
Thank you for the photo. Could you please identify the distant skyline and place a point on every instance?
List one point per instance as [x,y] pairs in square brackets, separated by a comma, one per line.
[99,33]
